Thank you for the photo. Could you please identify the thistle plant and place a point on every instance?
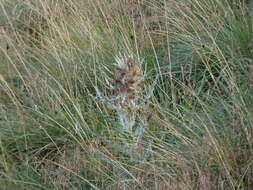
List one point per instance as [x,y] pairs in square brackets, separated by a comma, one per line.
[126,99]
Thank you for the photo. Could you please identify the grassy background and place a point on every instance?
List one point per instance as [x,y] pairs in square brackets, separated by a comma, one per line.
[55,135]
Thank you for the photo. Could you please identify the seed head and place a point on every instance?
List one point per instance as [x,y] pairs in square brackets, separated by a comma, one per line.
[127,77]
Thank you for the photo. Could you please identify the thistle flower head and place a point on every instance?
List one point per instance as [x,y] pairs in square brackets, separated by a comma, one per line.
[127,77]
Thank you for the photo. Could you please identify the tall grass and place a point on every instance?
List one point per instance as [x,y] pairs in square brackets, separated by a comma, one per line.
[73,116]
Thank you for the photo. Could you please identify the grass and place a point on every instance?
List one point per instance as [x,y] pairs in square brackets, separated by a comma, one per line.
[126,94]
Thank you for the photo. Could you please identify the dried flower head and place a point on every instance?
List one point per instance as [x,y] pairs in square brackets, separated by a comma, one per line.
[127,77]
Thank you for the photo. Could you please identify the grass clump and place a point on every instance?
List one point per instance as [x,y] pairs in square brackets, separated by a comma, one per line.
[126,94]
